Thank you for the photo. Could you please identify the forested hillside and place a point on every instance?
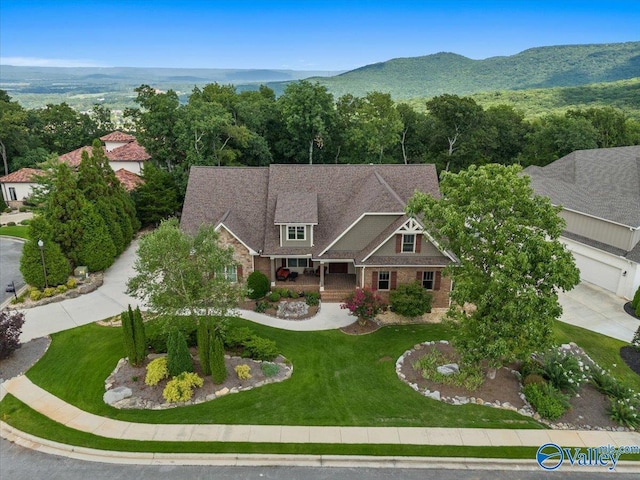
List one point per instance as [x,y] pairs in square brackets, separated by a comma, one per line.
[544,67]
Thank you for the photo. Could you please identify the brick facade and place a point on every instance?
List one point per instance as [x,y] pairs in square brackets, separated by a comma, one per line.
[408,275]
[240,252]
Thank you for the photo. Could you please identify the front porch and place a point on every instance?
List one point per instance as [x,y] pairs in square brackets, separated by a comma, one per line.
[336,285]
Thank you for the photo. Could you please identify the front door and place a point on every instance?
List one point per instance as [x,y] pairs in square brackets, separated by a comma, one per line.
[338,268]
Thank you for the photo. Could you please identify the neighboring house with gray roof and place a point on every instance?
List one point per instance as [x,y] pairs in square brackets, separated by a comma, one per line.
[599,191]
[332,227]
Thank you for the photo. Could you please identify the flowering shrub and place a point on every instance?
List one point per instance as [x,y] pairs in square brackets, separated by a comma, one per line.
[156,371]
[10,330]
[364,304]
[625,412]
[243,372]
[563,370]
[180,388]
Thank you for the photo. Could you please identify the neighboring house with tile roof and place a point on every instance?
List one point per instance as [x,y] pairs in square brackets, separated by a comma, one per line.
[599,191]
[130,181]
[18,185]
[122,150]
[337,227]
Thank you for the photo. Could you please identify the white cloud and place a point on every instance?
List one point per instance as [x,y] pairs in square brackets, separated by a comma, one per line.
[47,62]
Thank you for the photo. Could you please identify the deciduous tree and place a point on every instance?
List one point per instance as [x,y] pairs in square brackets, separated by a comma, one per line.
[511,261]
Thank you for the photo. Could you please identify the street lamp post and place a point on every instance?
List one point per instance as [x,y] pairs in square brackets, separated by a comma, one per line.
[44,266]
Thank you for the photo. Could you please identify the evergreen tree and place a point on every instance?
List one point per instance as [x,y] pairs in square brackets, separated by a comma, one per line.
[135,345]
[178,357]
[139,336]
[216,357]
[157,198]
[64,212]
[96,250]
[57,266]
[91,180]
[204,346]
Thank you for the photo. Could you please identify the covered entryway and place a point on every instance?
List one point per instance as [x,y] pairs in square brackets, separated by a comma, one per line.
[339,267]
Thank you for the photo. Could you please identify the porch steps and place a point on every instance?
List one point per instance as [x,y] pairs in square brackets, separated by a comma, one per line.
[334,296]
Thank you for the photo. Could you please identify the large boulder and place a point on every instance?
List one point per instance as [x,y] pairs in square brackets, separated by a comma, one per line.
[115,395]
[448,369]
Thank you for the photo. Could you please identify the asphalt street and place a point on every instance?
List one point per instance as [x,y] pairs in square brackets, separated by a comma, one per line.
[10,251]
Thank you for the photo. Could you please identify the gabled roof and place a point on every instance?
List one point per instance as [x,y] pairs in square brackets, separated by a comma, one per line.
[24,175]
[129,180]
[74,157]
[603,183]
[131,152]
[118,137]
[252,201]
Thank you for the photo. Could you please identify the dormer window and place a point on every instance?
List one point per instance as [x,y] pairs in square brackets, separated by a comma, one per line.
[297,232]
[408,243]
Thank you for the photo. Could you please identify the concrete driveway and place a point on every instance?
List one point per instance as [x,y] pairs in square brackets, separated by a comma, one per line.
[598,310]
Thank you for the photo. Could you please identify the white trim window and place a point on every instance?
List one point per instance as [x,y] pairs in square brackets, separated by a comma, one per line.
[298,263]
[12,194]
[384,280]
[428,279]
[296,232]
[408,242]
[230,273]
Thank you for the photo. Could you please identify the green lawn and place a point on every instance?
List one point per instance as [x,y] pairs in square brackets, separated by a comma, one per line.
[15,231]
[337,380]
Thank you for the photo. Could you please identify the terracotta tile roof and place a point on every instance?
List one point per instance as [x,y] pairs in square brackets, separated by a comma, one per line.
[74,157]
[129,180]
[24,175]
[117,136]
[131,152]
[246,199]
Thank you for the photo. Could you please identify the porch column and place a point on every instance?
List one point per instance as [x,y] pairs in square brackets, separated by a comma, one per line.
[321,276]
[272,268]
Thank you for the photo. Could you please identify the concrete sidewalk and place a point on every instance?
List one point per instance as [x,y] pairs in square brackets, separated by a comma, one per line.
[54,408]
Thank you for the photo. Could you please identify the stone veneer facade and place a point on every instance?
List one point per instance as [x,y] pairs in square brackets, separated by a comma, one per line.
[240,252]
[440,297]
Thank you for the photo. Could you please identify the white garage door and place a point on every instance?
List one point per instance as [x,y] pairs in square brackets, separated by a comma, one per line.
[598,273]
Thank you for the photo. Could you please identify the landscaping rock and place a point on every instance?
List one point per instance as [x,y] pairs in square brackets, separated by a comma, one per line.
[448,369]
[120,393]
[221,392]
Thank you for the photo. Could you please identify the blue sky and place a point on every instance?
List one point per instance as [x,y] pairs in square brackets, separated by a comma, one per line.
[299,35]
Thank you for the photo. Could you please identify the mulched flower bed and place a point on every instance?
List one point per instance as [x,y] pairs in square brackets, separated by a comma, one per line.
[629,309]
[631,356]
[357,329]
[272,310]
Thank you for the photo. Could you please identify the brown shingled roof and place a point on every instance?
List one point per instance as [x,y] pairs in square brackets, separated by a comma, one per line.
[117,136]
[129,180]
[24,175]
[248,200]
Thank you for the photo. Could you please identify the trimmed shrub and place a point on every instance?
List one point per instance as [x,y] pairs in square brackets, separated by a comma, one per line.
[156,371]
[11,224]
[96,250]
[157,332]
[60,289]
[549,402]
[57,266]
[72,283]
[533,379]
[243,372]
[312,298]
[258,285]
[139,337]
[23,209]
[410,300]
[293,294]
[237,337]
[10,330]
[178,356]
[135,345]
[218,365]
[35,295]
[25,222]
[274,297]
[636,299]
[180,388]
[260,348]
[49,292]
[261,306]
[204,345]
[270,369]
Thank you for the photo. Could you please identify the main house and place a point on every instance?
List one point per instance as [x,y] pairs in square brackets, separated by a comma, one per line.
[126,157]
[599,191]
[331,228]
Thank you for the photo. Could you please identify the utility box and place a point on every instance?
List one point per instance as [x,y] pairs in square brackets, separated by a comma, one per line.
[81,272]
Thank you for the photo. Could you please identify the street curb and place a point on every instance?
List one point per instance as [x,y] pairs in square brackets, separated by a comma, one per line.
[271,460]
[24,288]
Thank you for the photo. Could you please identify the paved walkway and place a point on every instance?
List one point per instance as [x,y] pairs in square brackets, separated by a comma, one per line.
[59,411]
